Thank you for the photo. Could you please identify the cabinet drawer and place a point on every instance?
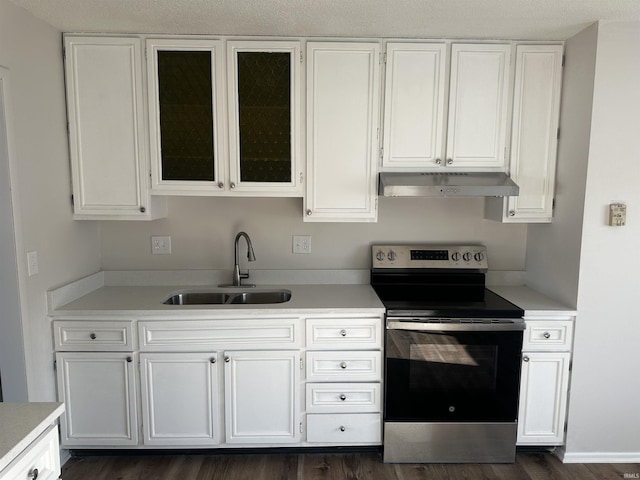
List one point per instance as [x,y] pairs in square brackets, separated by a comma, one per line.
[199,335]
[344,428]
[41,459]
[548,335]
[347,333]
[343,366]
[343,397]
[97,335]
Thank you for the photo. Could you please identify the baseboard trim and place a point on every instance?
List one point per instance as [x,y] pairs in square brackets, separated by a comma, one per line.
[598,457]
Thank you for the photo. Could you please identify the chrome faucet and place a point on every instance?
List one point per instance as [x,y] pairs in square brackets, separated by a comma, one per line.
[238,276]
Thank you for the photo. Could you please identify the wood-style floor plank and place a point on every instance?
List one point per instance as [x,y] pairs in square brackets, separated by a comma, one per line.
[328,466]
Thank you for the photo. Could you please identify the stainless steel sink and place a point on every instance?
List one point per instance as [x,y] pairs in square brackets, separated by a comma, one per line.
[256,297]
[274,296]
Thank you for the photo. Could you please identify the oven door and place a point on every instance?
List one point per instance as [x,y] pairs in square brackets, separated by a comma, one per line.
[452,372]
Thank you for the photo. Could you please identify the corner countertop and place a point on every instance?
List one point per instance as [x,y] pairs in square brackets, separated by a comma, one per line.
[144,301]
[532,302]
[21,424]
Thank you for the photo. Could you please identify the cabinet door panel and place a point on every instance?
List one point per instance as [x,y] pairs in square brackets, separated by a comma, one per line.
[478,98]
[262,397]
[180,399]
[264,116]
[106,130]
[534,131]
[543,398]
[342,113]
[414,104]
[98,390]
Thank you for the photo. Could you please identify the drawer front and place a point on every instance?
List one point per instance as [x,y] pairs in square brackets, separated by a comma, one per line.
[72,336]
[548,335]
[41,459]
[199,335]
[344,366]
[344,428]
[344,333]
[343,397]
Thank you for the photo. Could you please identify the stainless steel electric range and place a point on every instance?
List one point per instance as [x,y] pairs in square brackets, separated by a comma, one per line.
[452,356]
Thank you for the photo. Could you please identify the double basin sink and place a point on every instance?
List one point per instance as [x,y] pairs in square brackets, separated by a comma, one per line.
[216,297]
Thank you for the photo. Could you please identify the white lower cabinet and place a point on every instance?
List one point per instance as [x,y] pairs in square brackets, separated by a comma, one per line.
[99,392]
[41,459]
[344,428]
[544,385]
[180,399]
[262,396]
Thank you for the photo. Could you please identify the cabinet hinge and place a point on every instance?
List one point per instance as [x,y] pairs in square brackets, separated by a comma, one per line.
[563,59]
[301,365]
[382,153]
[383,57]
[301,57]
[570,361]
[72,200]
[55,365]
[566,426]
[301,428]
[553,207]
[301,178]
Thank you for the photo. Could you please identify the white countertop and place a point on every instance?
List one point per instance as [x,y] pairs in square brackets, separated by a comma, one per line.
[147,301]
[21,424]
[532,302]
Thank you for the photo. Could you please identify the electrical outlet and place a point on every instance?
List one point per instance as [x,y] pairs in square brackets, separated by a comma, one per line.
[302,244]
[32,263]
[160,245]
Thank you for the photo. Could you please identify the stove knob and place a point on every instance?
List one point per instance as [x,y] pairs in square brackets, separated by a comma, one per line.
[479,257]
[380,255]
[391,255]
[466,256]
[455,257]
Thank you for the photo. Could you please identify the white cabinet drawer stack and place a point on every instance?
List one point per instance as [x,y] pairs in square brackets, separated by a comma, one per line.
[343,384]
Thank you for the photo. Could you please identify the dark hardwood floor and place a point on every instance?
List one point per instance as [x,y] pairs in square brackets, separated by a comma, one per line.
[328,466]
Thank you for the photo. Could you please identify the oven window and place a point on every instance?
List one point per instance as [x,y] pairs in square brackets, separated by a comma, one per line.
[452,376]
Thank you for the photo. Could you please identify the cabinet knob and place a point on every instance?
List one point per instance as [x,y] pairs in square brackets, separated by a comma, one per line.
[93,336]
[309,212]
[449,161]
[342,428]
[512,213]
[343,365]
[129,359]
[343,397]
[213,360]
[220,184]
[546,335]
[33,474]
[142,209]
[525,358]
[438,161]
[343,333]
[227,359]
[232,185]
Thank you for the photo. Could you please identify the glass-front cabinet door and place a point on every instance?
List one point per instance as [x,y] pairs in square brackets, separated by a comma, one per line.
[186,116]
[264,117]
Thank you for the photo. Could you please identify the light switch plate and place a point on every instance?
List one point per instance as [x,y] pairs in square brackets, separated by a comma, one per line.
[160,245]
[32,263]
[302,244]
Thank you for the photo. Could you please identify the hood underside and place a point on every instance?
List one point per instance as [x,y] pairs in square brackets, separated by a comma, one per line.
[455,184]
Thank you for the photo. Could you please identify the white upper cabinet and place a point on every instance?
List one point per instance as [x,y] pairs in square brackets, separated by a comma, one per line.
[534,141]
[343,81]
[478,98]
[186,116]
[264,117]
[418,131]
[414,104]
[109,157]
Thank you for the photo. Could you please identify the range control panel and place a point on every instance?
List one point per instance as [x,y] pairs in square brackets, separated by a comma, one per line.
[429,256]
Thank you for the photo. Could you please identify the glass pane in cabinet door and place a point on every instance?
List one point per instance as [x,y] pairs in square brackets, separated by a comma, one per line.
[264,112]
[186,115]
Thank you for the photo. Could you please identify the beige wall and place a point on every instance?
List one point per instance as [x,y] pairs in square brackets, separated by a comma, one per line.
[67,250]
[203,229]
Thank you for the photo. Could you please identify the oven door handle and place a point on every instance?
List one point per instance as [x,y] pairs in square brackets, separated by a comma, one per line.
[402,324]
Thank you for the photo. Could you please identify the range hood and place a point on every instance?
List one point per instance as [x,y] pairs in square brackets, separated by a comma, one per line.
[455,184]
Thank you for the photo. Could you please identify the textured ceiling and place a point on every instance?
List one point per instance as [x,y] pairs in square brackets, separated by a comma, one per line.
[480,19]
